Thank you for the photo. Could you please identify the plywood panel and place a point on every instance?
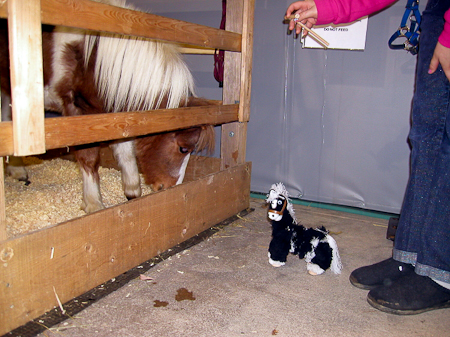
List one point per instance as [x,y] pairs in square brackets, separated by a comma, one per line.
[73,257]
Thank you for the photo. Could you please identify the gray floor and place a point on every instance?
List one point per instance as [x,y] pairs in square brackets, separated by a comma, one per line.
[230,289]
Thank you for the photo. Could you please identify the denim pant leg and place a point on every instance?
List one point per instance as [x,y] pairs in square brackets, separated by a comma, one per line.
[423,234]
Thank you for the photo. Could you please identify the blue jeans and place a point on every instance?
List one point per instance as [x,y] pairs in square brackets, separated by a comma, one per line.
[423,234]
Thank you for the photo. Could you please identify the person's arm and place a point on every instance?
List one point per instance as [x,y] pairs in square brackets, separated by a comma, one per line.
[322,12]
[444,38]
[442,51]
[345,11]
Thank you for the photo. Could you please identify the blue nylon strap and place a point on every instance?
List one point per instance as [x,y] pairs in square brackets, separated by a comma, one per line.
[410,34]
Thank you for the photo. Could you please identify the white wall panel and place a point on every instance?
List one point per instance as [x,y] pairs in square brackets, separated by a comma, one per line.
[332,125]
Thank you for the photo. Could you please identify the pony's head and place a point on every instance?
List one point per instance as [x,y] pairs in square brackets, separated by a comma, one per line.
[163,157]
[279,202]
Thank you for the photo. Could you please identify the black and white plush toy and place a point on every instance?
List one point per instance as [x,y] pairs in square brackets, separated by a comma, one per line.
[316,246]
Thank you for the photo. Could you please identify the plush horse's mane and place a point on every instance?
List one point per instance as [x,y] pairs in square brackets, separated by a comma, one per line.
[280,189]
[126,82]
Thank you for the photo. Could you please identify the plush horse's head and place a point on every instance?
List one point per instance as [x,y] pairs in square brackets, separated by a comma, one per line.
[163,157]
[277,206]
[279,203]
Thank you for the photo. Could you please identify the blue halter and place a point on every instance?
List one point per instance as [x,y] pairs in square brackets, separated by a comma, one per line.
[411,33]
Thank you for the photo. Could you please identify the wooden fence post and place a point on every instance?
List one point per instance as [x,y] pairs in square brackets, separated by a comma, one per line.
[237,82]
[25,41]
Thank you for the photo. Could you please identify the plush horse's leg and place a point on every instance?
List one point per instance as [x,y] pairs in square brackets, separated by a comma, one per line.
[278,250]
[321,260]
[125,156]
[89,159]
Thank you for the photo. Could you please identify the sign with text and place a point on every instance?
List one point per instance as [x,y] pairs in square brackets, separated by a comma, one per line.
[351,36]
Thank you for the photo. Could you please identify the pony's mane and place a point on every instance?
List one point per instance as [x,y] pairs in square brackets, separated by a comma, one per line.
[143,73]
[280,189]
[206,141]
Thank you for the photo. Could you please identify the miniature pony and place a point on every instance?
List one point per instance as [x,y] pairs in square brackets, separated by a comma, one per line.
[92,73]
[316,246]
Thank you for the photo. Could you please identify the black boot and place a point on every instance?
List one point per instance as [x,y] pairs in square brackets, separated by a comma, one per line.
[378,274]
[409,295]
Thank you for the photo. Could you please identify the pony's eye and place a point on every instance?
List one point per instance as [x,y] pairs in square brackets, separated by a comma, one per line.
[183,150]
[279,202]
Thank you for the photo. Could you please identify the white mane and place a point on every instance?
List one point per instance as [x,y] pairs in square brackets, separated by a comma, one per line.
[140,73]
[280,189]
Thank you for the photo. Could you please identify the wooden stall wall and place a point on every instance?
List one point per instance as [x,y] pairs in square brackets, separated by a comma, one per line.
[58,263]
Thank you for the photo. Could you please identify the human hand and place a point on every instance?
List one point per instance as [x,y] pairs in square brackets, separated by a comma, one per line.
[307,12]
[441,56]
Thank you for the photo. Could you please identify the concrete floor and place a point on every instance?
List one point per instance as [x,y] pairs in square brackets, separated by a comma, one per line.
[224,286]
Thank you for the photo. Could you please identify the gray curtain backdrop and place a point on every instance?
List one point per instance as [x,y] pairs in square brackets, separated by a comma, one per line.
[332,125]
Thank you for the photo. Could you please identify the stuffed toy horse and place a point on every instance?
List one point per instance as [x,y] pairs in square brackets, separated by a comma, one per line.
[316,246]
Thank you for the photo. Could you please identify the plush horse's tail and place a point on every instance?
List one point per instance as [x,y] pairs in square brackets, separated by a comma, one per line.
[207,140]
[336,264]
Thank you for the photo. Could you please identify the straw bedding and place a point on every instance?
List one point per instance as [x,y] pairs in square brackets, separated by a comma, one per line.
[54,194]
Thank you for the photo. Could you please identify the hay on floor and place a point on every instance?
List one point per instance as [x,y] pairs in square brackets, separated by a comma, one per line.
[54,194]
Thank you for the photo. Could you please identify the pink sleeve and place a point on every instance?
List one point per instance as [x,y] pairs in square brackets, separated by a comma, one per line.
[345,11]
[444,38]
